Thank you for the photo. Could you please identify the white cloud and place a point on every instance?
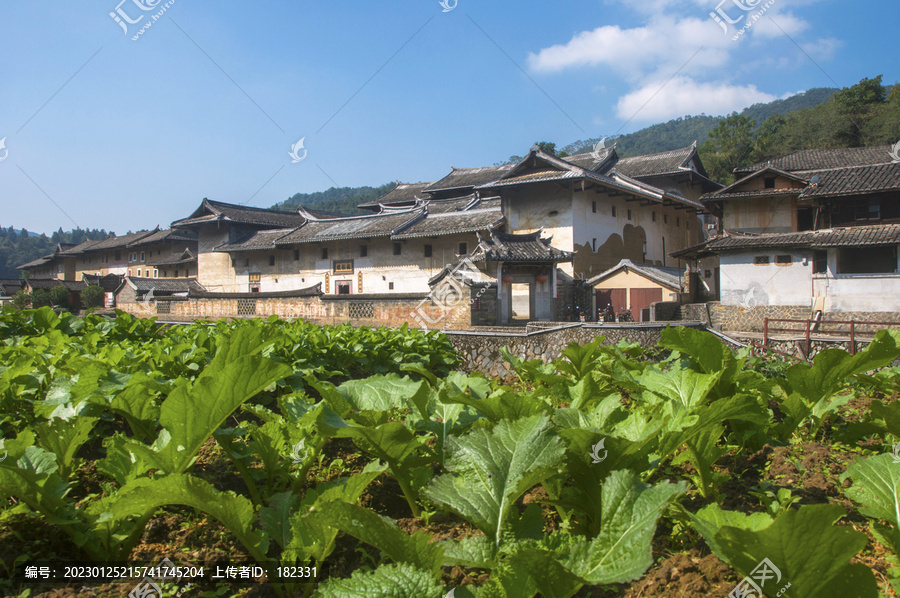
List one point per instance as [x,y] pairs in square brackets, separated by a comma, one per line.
[660,45]
[683,96]
[822,49]
[777,24]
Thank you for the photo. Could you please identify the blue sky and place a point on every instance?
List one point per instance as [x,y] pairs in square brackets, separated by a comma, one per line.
[110,132]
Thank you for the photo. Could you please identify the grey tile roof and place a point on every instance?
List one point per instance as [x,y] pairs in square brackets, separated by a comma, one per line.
[823,159]
[405,193]
[857,236]
[116,242]
[312,291]
[467,178]
[169,234]
[501,247]
[51,283]
[670,277]
[110,282]
[10,286]
[41,261]
[164,285]
[263,239]
[593,159]
[175,259]
[211,211]
[450,223]
[671,162]
[854,180]
[354,227]
[78,249]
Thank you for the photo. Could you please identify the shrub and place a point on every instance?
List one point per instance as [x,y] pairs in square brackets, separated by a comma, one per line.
[92,296]
[21,299]
[40,298]
[59,296]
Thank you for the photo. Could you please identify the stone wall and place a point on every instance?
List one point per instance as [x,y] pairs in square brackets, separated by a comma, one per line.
[663,311]
[480,350]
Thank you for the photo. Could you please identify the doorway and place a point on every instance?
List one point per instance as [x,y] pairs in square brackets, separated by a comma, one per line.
[520,300]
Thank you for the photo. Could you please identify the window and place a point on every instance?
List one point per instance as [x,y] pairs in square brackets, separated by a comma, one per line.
[142,256]
[296,255]
[629,214]
[614,211]
[118,255]
[428,251]
[155,273]
[139,273]
[463,248]
[176,273]
[678,222]
[653,216]
[397,248]
[363,250]
[867,260]
[129,271]
[324,253]
[594,207]
[271,260]
[247,263]
[594,245]
[343,267]
[343,287]
[769,182]
[665,218]
[783,260]
[707,274]
[820,261]
[390,286]
[761,260]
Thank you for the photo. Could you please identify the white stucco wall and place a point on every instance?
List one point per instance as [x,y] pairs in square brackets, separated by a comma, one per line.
[745,283]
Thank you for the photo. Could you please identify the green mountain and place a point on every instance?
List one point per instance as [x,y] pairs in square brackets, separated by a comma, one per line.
[18,247]
[336,200]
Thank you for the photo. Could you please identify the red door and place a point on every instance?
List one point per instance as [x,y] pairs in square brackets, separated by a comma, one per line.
[618,298]
[641,300]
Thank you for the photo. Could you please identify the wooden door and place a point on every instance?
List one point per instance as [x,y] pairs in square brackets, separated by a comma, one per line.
[618,298]
[641,299]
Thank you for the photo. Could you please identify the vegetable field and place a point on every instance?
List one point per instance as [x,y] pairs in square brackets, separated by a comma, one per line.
[351,462]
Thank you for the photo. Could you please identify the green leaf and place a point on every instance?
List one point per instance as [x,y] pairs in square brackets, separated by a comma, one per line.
[711,518]
[876,486]
[383,534]
[810,552]
[387,581]
[380,393]
[492,469]
[64,438]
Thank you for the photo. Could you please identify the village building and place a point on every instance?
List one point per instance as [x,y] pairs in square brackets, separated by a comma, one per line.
[813,234]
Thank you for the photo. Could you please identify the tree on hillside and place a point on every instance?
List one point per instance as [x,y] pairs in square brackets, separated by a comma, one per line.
[729,146]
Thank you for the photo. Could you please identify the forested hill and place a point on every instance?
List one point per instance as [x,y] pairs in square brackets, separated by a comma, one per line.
[20,247]
[336,200]
[682,132]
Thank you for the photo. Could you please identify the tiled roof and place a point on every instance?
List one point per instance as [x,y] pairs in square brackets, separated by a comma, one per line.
[822,159]
[670,277]
[449,223]
[312,291]
[671,162]
[462,178]
[438,206]
[115,242]
[9,286]
[500,247]
[211,211]
[593,159]
[41,261]
[52,283]
[110,282]
[263,239]
[164,285]
[406,193]
[170,234]
[854,180]
[78,249]
[858,236]
[355,227]
[175,259]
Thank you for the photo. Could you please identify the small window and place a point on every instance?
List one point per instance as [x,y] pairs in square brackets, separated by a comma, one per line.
[707,274]
[594,245]
[129,271]
[139,273]
[343,267]
[594,207]
[324,253]
[614,211]
[783,260]
[820,261]
[176,273]
[118,255]
[155,273]
[363,250]
[665,218]
[629,214]
[761,260]
[397,248]
[678,222]
[271,260]
[390,286]
[653,216]
[296,255]
[142,256]
[867,260]
[247,263]
[343,287]
[769,182]
[463,248]
[428,251]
